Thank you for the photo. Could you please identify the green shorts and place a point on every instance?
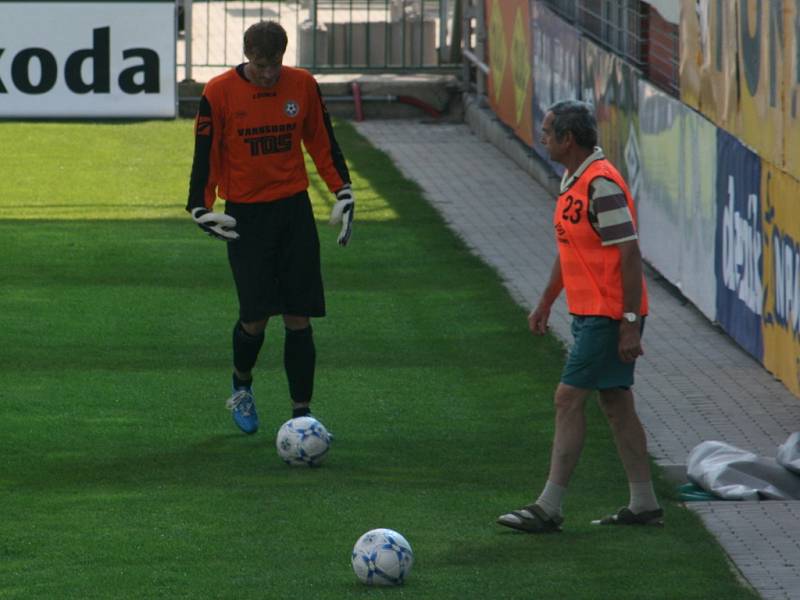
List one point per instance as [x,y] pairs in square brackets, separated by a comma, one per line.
[593,362]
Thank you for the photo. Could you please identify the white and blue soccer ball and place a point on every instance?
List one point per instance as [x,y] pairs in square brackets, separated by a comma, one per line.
[382,557]
[303,441]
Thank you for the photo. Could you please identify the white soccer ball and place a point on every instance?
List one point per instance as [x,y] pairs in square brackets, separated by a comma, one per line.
[303,441]
[382,557]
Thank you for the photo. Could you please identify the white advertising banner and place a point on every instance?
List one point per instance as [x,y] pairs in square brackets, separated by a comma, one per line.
[87,59]
[677,195]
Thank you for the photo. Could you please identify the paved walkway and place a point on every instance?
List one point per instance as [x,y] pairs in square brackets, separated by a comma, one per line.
[693,384]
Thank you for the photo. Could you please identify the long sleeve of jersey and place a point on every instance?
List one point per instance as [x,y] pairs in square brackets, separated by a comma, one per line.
[201,164]
[249,140]
[321,143]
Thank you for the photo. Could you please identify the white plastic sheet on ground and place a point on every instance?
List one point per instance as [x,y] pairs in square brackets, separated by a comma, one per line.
[789,453]
[735,474]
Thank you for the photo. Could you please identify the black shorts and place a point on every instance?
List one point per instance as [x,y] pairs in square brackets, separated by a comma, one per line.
[275,261]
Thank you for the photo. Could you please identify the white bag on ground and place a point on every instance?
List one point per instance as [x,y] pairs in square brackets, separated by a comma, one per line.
[735,474]
[789,453]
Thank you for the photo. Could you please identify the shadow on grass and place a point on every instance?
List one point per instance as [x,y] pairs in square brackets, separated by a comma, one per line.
[376,464]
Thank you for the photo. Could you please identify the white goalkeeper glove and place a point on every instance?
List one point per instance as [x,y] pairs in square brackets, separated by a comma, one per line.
[218,225]
[343,212]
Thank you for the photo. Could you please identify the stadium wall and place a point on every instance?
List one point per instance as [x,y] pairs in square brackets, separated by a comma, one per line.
[712,165]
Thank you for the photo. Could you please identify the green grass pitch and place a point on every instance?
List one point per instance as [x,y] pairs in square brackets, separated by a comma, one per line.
[122,475]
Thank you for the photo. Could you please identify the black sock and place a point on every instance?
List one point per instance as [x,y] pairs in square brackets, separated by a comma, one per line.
[300,412]
[299,359]
[241,383]
[245,348]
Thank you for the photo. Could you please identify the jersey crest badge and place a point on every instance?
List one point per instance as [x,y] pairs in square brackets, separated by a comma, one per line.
[291,108]
[203,126]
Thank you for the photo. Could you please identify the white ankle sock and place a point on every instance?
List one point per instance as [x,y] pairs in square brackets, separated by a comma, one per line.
[643,497]
[551,497]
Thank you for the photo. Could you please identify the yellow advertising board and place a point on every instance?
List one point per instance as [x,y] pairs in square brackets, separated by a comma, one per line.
[762,26]
[791,96]
[708,38]
[781,271]
[738,67]
[510,68]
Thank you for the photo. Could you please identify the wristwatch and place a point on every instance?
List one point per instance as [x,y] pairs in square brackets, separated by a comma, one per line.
[630,317]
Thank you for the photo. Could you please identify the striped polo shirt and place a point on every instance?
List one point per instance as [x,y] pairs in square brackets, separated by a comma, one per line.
[608,210]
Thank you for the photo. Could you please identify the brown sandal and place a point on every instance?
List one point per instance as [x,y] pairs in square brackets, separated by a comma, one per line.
[531,519]
[625,516]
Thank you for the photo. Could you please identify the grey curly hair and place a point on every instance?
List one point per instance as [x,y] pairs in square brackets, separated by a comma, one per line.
[576,117]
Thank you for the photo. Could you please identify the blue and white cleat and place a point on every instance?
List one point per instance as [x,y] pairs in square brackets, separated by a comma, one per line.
[243,410]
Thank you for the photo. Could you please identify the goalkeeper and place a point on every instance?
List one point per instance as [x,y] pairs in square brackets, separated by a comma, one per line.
[249,128]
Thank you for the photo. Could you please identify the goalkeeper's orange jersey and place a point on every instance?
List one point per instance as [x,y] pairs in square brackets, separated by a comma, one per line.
[248,140]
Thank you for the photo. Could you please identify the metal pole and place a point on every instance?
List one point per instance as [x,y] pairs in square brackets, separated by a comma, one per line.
[313,34]
[422,33]
[187,38]
[457,30]
[465,44]
[479,64]
[225,34]
[241,35]
[350,38]
[480,46]
[368,43]
[442,29]
[403,35]
[387,35]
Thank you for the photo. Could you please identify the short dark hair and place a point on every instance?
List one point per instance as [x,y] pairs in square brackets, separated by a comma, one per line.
[576,117]
[265,39]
